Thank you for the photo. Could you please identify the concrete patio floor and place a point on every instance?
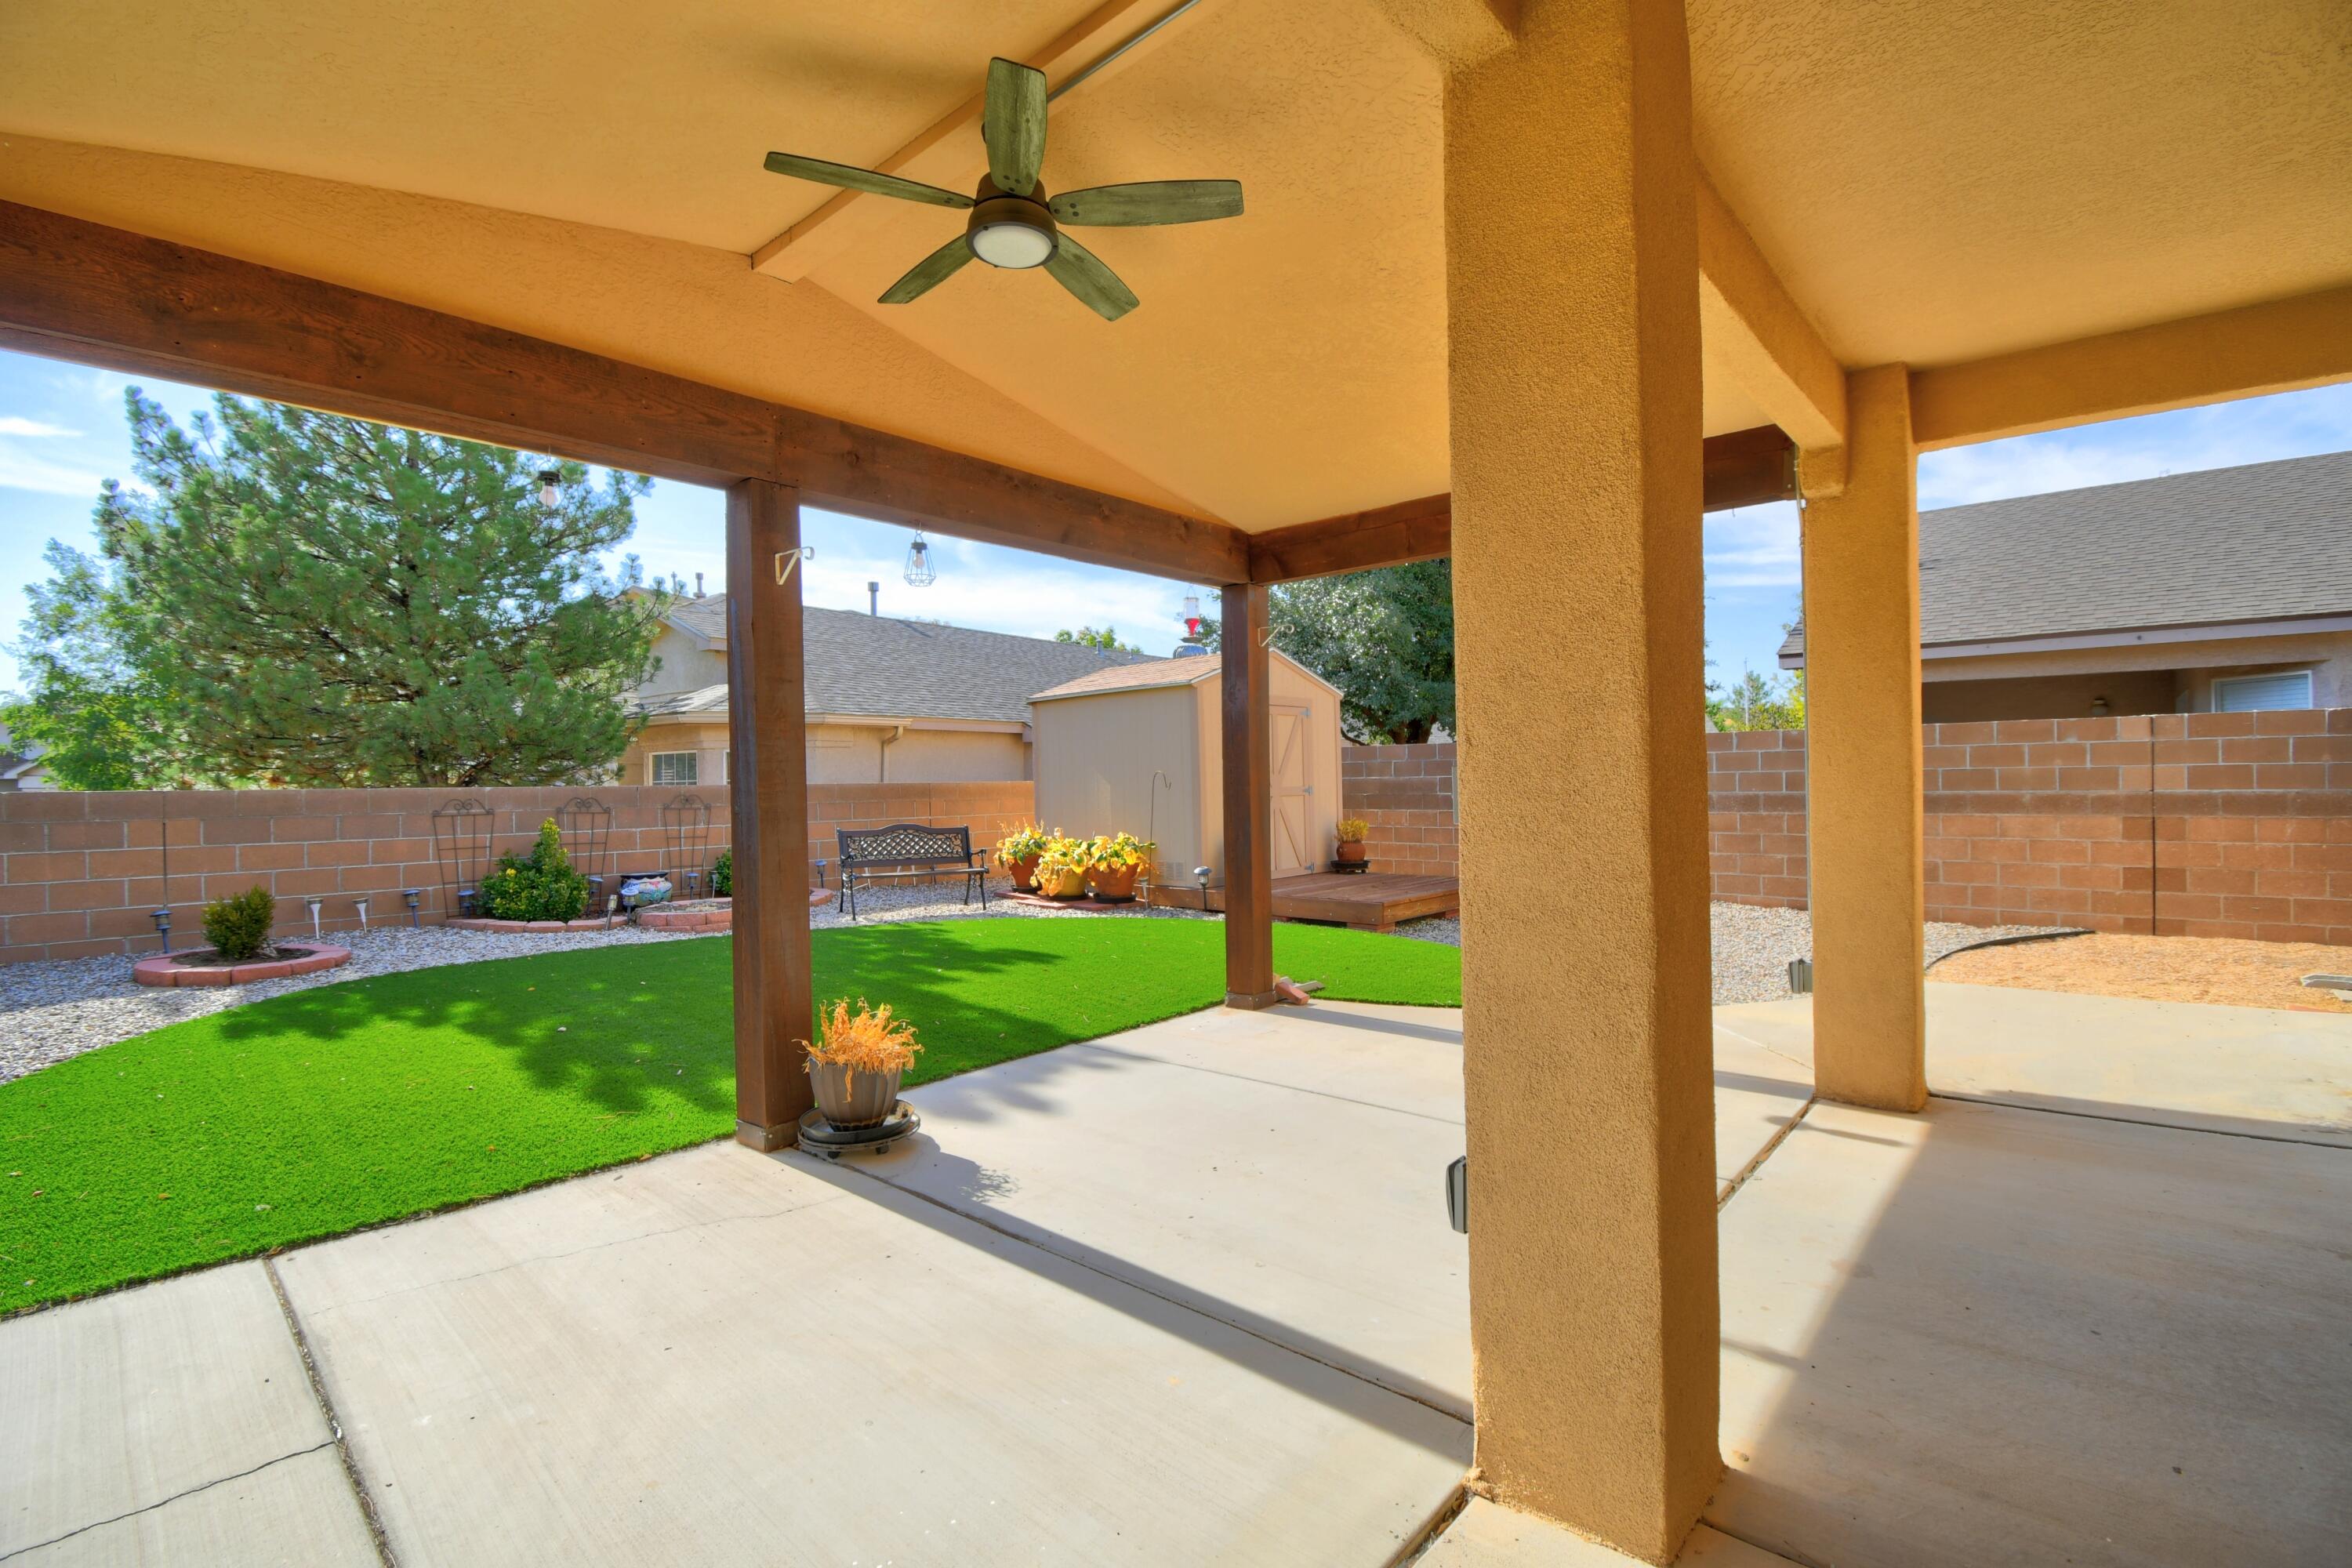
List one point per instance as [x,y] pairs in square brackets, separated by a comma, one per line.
[1187,1295]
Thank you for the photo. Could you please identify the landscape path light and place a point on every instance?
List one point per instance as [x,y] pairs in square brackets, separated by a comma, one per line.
[413,895]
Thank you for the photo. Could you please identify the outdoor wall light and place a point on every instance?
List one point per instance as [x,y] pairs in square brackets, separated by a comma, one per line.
[163,919]
[551,489]
[413,895]
[919,562]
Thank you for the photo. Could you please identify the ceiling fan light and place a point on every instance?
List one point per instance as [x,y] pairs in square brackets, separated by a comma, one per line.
[1013,246]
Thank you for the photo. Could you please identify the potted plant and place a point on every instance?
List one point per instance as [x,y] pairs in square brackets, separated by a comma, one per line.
[1114,863]
[1061,869]
[854,1065]
[1017,852]
[1351,833]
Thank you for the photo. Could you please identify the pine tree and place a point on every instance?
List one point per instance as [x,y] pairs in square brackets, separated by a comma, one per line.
[298,598]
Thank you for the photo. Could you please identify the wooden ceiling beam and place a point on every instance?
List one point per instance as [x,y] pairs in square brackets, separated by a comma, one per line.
[1746,468]
[83,291]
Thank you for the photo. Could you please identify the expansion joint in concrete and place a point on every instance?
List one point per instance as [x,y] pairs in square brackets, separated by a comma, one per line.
[334,1423]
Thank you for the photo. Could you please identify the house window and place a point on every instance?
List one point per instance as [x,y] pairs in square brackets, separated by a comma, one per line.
[2252,694]
[671,767]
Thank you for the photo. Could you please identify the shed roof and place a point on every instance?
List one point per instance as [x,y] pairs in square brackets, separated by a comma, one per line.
[884,667]
[1142,675]
[2265,542]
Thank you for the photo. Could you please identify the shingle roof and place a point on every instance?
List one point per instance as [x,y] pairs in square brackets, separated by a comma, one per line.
[882,668]
[2264,541]
[1137,677]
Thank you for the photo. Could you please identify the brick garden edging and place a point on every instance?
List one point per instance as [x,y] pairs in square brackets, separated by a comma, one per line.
[165,970]
[532,928]
[661,916]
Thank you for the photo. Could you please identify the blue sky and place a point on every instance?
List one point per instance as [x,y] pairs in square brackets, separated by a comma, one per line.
[62,430]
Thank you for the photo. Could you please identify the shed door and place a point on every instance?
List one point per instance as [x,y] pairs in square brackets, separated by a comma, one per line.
[1293,785]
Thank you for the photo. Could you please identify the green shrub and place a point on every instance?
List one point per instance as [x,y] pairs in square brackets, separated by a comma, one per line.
[540,886]
[722,874]
[239,925]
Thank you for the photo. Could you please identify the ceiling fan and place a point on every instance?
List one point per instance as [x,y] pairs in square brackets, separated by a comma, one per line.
[1014,222]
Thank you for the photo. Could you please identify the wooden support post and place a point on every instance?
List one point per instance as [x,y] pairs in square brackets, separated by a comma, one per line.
[1248,744]
[768,782]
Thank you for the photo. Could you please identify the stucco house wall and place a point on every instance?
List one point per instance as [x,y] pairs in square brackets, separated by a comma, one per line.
[2155,677]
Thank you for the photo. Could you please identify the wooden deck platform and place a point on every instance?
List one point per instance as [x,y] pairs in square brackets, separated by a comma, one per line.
[1370,901]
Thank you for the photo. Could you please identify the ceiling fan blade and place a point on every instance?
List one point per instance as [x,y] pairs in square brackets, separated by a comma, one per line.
[1148,202]
[866,179]
[1012,123]
[930,272]
[1081,271]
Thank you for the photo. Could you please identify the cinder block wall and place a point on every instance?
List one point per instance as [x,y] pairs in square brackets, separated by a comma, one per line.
[1406,792]
[79,871]
[2221,825]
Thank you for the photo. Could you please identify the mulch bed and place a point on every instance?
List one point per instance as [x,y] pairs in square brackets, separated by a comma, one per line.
[2162,969]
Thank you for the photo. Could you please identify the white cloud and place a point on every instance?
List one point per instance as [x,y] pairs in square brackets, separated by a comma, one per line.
[21,471]
[2256,430]
[1754,547]
[15,425]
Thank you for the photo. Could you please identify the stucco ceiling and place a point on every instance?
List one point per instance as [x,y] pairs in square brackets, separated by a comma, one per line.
[1933,180]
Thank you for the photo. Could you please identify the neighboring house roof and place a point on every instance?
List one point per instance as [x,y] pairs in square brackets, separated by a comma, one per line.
[2265,543]
[1143,675]
[876,666]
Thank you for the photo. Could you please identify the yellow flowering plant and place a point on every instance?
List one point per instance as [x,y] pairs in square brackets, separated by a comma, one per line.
[1352,829]
[1117,851]
[1022,842]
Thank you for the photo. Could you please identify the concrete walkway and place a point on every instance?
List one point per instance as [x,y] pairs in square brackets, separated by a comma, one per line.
[2254,1070]
[1187,1295]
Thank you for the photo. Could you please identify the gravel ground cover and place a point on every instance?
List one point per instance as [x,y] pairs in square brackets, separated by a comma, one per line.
[1753,947]
[49,1012]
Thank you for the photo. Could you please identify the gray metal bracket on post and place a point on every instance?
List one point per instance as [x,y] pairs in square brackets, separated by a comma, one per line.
[1458,1195]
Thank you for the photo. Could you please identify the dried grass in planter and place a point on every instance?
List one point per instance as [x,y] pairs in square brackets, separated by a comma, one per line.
[870,1040]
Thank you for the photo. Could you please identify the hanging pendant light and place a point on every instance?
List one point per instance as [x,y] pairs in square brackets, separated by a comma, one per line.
[551,494]
[918,563]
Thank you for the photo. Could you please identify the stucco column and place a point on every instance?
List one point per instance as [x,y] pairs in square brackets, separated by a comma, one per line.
[1862,770]
[1573,288]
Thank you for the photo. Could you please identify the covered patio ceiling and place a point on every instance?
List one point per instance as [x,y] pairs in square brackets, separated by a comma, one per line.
[1931,184]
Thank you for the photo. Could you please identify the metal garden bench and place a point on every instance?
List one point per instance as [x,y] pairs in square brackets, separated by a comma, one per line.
[905,851]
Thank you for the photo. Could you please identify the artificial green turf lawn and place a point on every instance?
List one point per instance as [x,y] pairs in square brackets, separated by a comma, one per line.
[343,1106]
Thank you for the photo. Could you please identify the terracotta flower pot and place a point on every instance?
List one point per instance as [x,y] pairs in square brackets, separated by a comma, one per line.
[1113,881]
[851,1100]
[1350,854]
[1070,884]
[1025,873]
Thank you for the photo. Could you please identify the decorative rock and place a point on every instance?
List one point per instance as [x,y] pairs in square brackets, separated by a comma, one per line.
[164,969]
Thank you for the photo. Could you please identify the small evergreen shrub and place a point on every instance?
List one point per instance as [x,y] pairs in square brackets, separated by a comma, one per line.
[722,874]
[238,926]
[540,886]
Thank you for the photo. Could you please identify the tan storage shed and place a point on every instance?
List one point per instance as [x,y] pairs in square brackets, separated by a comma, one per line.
[1139,749]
